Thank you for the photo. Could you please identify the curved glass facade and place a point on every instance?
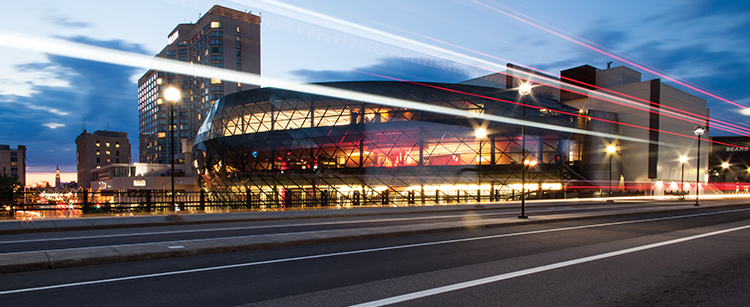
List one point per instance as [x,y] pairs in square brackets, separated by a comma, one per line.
[279,147]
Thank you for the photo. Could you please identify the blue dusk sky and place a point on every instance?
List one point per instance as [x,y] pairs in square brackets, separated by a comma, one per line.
[45,97]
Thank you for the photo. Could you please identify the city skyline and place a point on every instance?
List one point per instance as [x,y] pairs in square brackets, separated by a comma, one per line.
[51,98]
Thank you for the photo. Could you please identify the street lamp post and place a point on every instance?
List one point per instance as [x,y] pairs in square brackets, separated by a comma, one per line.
[172,95]
[698,131]
[610,151]
[683,159]
[524,89]
[480,133]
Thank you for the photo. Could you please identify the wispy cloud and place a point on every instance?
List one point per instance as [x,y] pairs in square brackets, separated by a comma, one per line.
[54,125]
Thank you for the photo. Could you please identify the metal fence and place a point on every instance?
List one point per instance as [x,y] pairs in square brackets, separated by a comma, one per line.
[75,203]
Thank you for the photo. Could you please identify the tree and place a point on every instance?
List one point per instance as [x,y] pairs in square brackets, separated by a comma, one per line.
[8,185]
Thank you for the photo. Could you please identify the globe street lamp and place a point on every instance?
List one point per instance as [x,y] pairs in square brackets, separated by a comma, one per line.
[172,95]
[683,159]
[610,151]
[698,131]
[480,133]
[524,89]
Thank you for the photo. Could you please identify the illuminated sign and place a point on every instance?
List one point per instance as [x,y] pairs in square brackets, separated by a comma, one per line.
[173,37]
[139,183]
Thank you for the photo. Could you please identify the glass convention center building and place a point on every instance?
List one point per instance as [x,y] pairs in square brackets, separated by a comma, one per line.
[278,147]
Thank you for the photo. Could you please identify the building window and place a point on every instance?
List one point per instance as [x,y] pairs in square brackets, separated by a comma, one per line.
[117,153]
[216,34]
[97,160]
[239,53]
[239,68]
[106,144]
[117,161]
[13,169]
[162,134]
[219,65]
[171,52]
[13,163]
[215,25]
[107,160]
[239,61]
[97,143]
[238,29]
[98,153]
[107,152]
[13,158]
[117,145]
[217,57]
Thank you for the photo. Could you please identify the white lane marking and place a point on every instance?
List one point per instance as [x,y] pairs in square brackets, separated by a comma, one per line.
[176,247]
[231,266]
[491,279]
[439,242]
[264,226]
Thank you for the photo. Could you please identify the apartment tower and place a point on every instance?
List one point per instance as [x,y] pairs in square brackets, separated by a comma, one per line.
[222,38]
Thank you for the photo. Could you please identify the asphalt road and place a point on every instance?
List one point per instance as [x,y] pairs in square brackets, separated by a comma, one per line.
[47,241]
[659,259]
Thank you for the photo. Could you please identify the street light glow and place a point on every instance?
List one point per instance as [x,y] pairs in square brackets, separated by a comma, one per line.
[172,94]
[610,149]
[524,88]
[725,165]
[481,133]
[683,159]
[699,130]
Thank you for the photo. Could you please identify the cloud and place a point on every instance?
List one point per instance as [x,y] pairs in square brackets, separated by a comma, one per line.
[412,69]
[54,125]
[50,117]
[61,21]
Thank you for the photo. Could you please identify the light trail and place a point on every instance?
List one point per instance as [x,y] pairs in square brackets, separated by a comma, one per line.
[683,83]
[99,54]
[326,21]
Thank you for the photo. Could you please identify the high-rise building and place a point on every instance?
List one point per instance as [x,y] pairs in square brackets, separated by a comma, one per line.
[13,162]
[94,150]
[222,38]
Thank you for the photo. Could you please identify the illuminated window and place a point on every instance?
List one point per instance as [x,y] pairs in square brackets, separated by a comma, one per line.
[107,152]
[215,25]
[162,134]
[117,145]
[106,144]
[158,81]
[98,153]
[238,29]
[215,81]
[97,143]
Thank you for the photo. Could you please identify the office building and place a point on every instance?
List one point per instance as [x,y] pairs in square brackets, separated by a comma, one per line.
[222,38]
[94,150]
[13,162]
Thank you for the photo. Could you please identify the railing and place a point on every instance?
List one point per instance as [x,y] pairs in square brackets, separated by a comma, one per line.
[76,203]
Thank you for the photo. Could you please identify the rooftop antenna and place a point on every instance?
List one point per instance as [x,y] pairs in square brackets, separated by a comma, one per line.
[609,64]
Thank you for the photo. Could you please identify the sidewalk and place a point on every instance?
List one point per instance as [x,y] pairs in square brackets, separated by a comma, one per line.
[39,260]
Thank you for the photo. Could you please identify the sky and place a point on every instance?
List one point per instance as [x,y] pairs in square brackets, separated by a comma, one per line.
[46,99]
